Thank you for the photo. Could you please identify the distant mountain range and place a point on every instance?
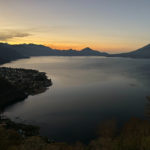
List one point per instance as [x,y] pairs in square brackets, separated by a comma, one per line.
[12,52]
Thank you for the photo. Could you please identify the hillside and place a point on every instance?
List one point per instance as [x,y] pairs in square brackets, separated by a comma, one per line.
[8,53]
[143,52]
[12,52]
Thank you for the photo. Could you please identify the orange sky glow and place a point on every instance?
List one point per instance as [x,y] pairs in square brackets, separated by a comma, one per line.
[67,24]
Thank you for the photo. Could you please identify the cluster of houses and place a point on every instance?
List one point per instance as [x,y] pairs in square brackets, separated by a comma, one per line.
[30,81]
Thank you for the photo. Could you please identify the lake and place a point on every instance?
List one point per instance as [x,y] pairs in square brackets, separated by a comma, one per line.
[85,92]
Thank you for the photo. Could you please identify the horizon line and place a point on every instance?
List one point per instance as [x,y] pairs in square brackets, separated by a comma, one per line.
[51,47]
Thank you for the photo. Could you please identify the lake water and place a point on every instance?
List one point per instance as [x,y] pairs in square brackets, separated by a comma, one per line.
[85,92]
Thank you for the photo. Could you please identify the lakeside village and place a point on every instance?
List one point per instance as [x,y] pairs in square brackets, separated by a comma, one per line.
[16,84]
[28,80]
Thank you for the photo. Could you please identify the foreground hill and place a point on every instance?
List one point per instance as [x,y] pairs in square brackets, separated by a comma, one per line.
[143,52]
[133,135]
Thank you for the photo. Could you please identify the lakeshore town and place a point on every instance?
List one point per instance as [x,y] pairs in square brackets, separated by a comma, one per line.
[28,80]
[17,84]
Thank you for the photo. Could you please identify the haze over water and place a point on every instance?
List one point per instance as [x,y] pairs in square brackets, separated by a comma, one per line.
[85,92]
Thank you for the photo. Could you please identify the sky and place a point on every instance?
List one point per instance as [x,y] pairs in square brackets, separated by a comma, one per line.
[105,25]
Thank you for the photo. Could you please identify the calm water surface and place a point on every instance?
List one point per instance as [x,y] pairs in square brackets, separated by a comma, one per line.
[85,92]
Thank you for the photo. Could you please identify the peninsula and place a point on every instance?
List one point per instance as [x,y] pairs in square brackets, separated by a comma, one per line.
[17,84]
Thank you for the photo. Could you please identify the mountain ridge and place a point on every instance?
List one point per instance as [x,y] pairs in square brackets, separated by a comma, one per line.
[12,52]
[143,52]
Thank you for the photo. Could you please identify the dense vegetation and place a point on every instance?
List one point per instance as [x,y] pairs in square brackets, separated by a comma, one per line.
[134,135]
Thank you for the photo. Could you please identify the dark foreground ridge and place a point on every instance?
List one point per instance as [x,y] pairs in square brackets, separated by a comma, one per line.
[17,84]
[133,135]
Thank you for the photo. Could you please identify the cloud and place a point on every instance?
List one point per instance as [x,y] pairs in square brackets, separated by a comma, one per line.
[6,35]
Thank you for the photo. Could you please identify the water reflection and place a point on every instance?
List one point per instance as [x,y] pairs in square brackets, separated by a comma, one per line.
[85,91]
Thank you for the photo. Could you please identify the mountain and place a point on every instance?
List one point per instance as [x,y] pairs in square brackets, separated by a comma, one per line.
[12,52]
[84,52]
[8,53]
[40,50]
[143,52]
[90,52]
[29,50]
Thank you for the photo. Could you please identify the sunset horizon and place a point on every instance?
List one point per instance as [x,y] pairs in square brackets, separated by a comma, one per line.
[67,24]
[74,75]
[79,48]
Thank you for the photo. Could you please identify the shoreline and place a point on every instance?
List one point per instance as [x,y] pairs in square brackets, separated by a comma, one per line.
[17,84]
[29,133]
